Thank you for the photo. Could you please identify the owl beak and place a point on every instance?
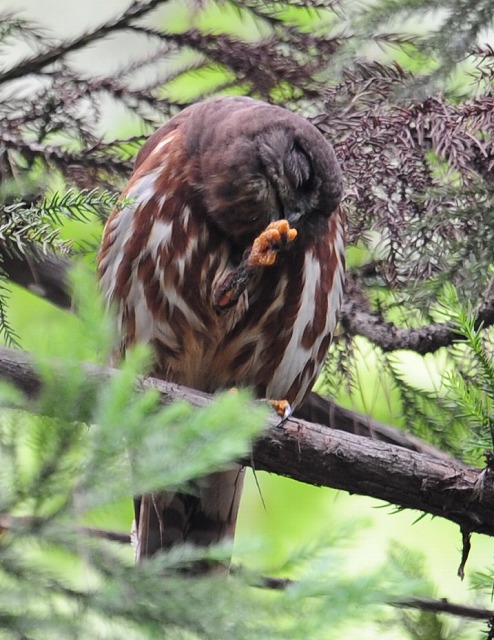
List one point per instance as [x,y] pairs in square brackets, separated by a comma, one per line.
[293,216]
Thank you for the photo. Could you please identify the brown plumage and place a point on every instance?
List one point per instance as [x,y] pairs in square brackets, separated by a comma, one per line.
[193,269]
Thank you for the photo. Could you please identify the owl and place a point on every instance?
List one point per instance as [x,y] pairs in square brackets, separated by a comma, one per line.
[227,258]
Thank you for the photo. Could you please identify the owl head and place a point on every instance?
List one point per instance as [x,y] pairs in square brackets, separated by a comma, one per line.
[253,163]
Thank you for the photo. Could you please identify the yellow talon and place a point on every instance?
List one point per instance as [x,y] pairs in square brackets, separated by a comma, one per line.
[269,242]
[282,408]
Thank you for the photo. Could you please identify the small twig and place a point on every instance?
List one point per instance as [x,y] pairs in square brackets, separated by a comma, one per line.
[444,606]
[114,536]
[465,551]
[441,605]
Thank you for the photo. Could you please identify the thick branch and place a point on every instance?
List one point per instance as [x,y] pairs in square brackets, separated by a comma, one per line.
[318,455]
[44,275]
[357,321]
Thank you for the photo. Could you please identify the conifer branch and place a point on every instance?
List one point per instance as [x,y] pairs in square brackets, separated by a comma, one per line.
[53,54]
[63,158]
[321,456]
[358,321]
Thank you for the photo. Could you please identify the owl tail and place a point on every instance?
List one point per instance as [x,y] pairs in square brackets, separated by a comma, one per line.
[205,516]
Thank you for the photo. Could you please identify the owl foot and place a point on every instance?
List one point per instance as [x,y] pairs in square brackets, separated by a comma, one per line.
[267,244]
[262,254]
[282,408]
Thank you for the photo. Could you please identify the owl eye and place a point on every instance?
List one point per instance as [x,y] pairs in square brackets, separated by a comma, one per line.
[298,167]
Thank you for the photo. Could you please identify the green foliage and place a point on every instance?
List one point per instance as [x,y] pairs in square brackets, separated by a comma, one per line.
[471,381]
[450,32]
[24,224]
[89,441]
[7,332]
[419,193]
[29,228]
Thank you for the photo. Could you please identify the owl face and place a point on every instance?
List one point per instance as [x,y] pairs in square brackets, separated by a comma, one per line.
[303,184]
[281,167]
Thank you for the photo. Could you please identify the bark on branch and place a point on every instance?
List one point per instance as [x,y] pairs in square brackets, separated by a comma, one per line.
[322,456]
[357,321]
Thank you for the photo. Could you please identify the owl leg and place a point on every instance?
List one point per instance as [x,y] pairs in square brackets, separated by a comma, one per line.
[263,253]
[231,287]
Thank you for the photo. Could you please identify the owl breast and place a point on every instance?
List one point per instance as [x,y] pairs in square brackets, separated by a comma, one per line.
[161,270]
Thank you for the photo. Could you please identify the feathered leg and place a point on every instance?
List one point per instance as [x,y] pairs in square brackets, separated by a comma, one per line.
[203,517]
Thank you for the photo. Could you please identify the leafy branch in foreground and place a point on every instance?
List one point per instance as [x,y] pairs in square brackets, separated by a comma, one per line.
[29,230]
[85,443]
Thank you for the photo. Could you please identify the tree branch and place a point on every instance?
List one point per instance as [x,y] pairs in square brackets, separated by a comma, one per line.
[444,606]
[431,605]
[321,456]
[65,159]
[358,321]
[44,275]
[20,523]
[52,54]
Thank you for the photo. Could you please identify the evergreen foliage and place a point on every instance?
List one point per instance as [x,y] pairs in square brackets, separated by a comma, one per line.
[81,447]
[411,115]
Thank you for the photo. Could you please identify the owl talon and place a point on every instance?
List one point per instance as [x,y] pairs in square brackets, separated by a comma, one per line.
[282,408]
[263,253]
[268,243]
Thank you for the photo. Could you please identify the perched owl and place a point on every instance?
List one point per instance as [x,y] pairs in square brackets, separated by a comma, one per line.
[229,261]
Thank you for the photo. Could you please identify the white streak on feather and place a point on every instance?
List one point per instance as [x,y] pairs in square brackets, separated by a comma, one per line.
[120,231]
[162,143]
[136,300]
[296,357]
[185,216]
[144,189]
[161,235]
